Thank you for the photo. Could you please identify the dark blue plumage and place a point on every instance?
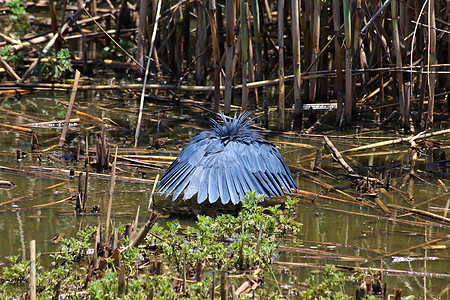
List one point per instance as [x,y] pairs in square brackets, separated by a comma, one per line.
[226,162]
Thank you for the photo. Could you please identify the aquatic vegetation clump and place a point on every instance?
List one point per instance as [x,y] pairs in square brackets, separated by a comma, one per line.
[55,66]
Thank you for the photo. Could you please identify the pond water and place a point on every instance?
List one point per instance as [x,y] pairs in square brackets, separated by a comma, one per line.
[335,230]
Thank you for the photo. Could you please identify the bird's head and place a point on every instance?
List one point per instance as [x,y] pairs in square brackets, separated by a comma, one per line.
[238,126]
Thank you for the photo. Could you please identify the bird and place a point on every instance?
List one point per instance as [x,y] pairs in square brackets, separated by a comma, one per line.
[226,162]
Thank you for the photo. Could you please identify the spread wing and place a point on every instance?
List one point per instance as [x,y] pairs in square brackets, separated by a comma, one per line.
[226,168]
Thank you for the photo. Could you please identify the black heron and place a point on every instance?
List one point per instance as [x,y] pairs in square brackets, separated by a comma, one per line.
[226,162]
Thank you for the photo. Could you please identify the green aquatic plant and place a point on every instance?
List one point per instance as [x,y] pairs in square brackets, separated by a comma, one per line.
[13,58]
[331,286]
[18,15]
[222,245]
[18,272]
[55,66]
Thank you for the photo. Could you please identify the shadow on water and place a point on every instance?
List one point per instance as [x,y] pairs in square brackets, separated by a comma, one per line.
[335,230]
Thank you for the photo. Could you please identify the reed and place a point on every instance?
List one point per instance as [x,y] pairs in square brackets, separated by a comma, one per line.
[431,62]
[339,81]
[348,103]
[244,53]
[230,21]
[281,87]
[295,4]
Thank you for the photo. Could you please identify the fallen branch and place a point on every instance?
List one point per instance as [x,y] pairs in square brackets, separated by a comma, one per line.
[420,212]
[421,135]
[337,156]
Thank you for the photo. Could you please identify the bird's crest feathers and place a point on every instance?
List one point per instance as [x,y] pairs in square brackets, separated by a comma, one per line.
[238,125]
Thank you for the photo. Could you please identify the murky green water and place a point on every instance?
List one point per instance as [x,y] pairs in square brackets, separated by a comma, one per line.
[334,232]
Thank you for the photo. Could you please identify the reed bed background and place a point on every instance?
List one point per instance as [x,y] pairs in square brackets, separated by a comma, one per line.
[387,58]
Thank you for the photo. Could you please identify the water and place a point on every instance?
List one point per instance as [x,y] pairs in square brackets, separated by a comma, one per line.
[333,232]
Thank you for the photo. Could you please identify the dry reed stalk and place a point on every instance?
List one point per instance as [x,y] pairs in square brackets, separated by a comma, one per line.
[17,128]
[258,47]
[281,87]
[216,52]
[339,81]
[200,46]
[406,115]
[111,192]
[251,61]
[32,270]
[134,225]
[382,205]
[86,181]
[315,22]
[62,139]
[179,24]
[150,201]
[431,61]
[95,262]
[51,5]
[141,104]
[358,54]
[448,48]
[229,56]
[306,27]
[223,285]
[143,233]
[244,53]
[348,103]
[297,64]
[398,61]
[9,69]
[120,15]
[143,8]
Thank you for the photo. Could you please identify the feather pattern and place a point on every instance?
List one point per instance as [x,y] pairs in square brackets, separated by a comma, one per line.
[226,162]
